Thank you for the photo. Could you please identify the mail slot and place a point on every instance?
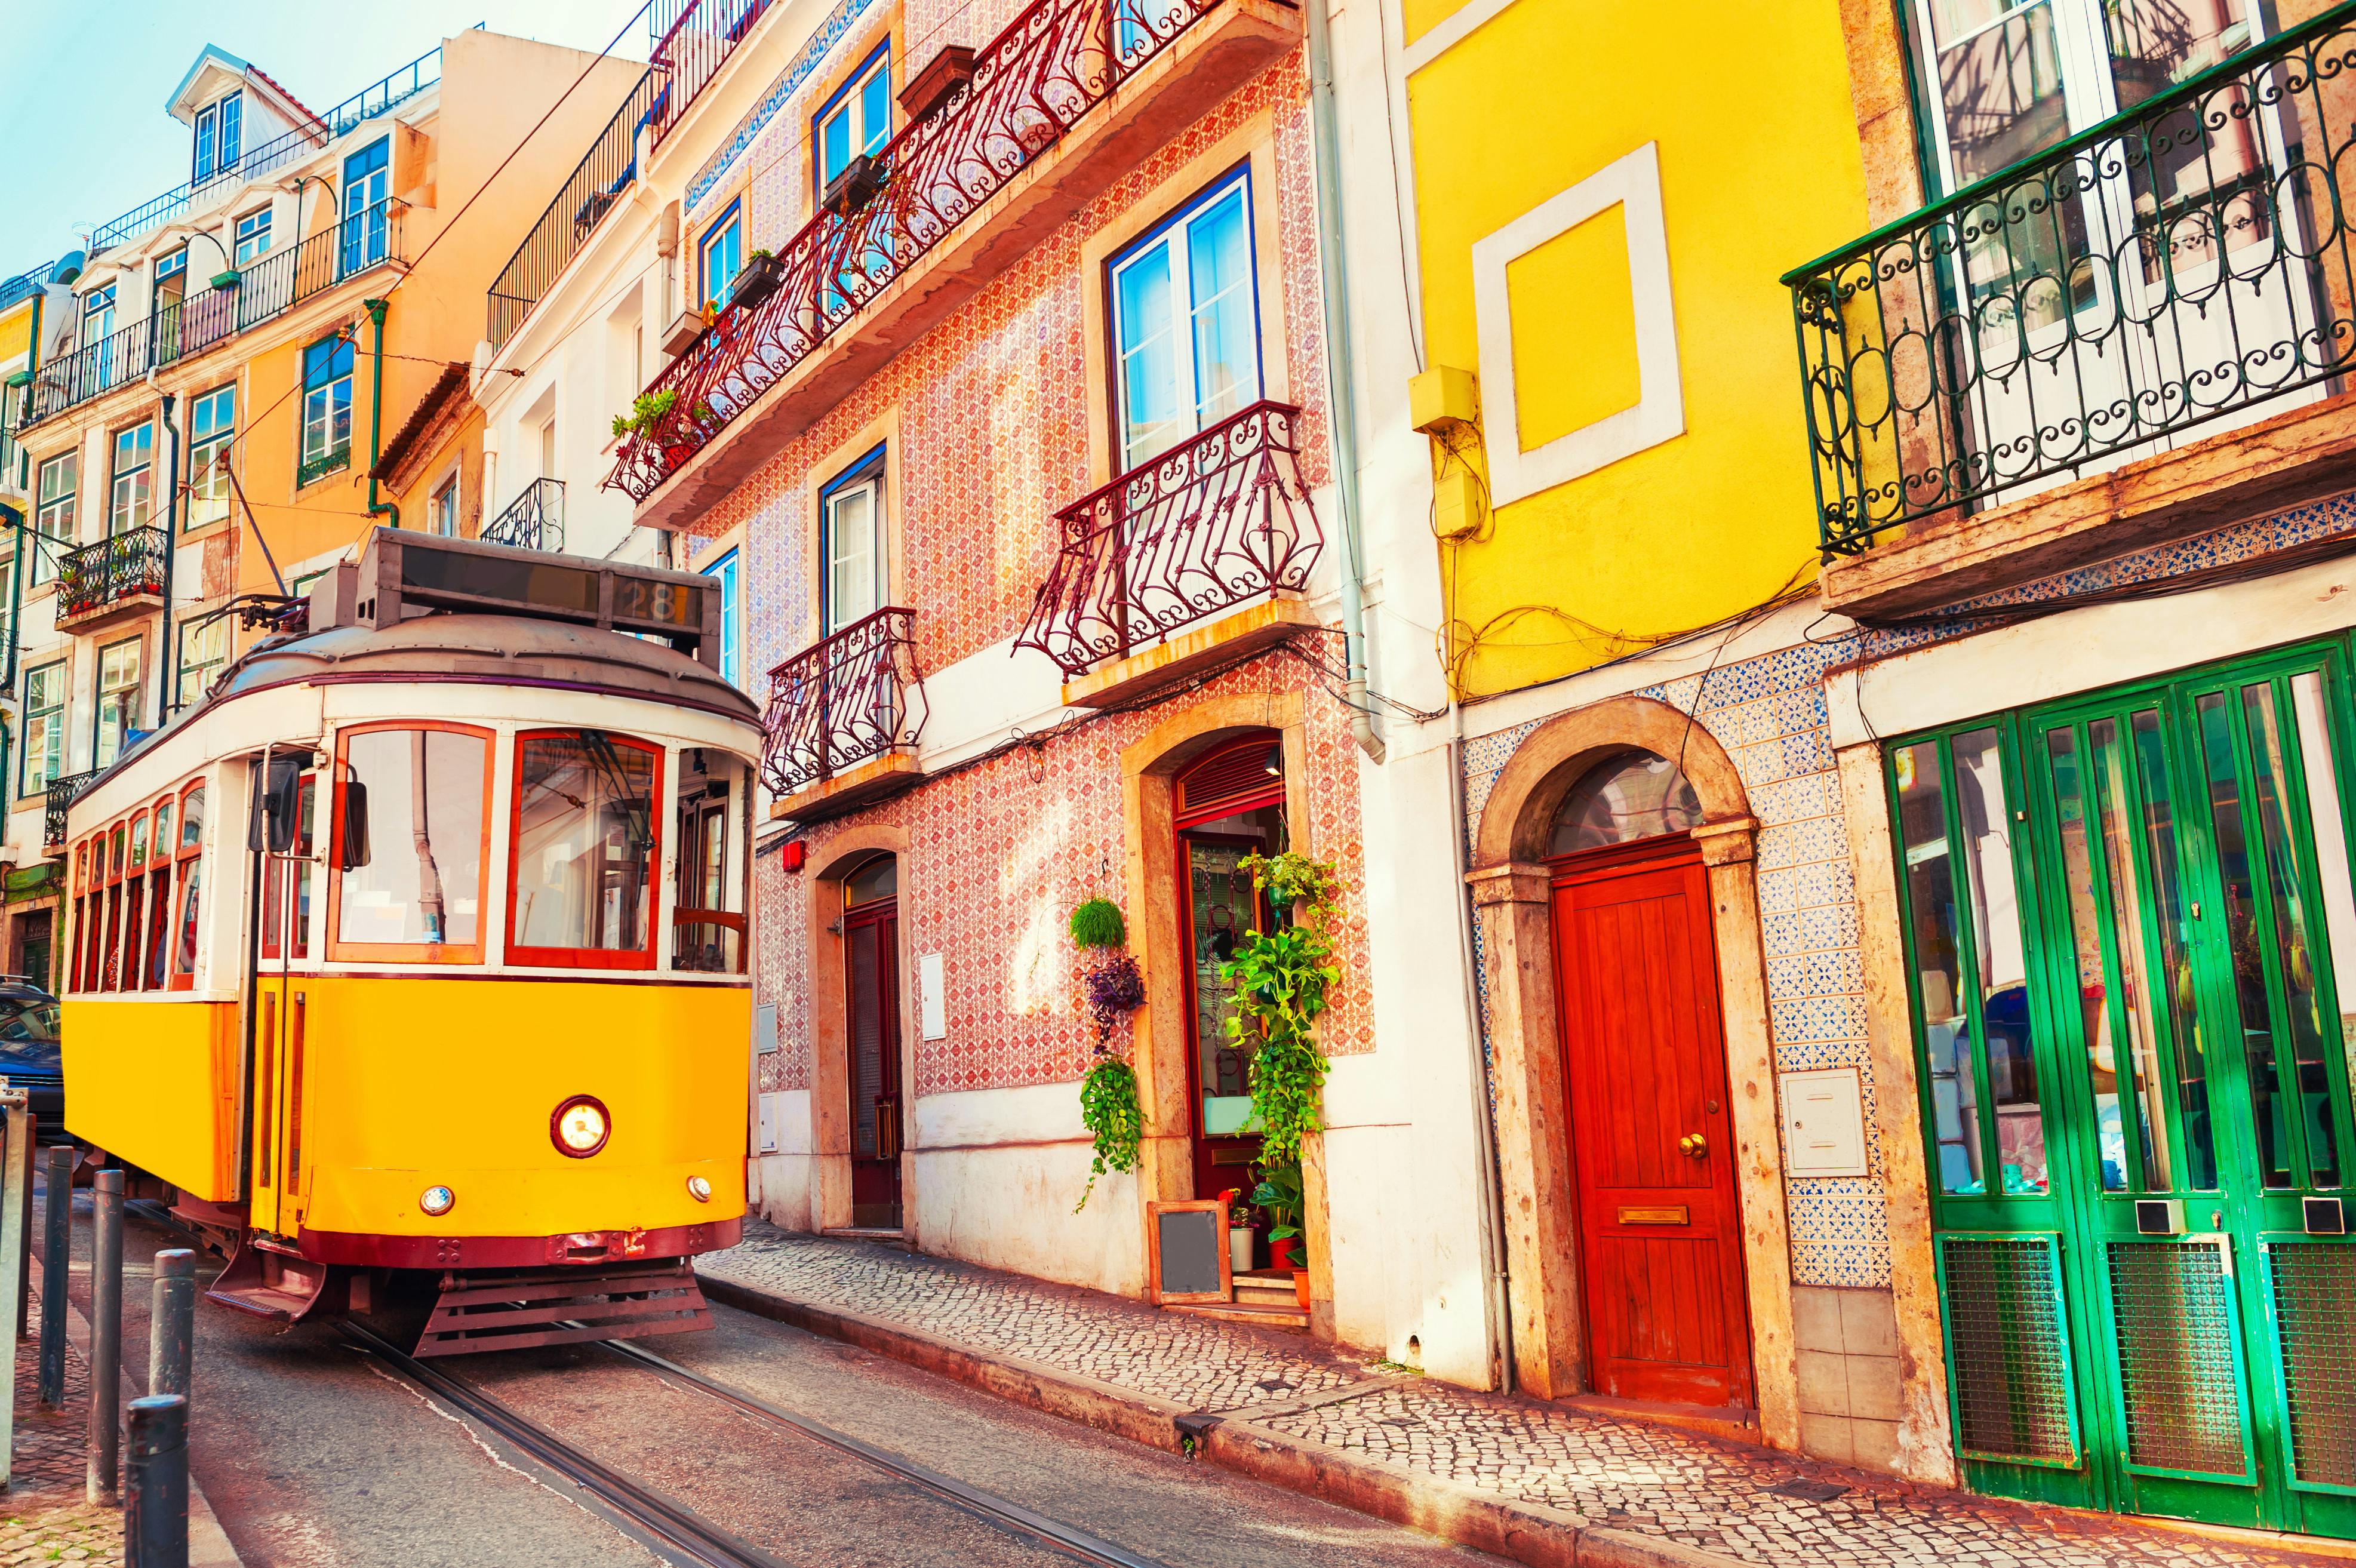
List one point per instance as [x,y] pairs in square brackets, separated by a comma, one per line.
[1660,1214]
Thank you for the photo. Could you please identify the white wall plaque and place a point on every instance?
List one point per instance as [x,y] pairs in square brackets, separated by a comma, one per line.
[932,1012]
[765,1028]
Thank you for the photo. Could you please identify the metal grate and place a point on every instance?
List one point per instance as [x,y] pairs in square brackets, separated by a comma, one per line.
[2172,1304]
[2314,1288]
[2005,1334]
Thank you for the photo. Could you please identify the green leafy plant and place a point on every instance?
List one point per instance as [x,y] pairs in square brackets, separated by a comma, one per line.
[647,411]
[1278,1197]
[1109,1108]
[760,254]
[1098,924]
[1283,980]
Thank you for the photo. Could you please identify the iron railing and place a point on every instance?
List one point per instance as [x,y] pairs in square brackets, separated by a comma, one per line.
[693,39]
[279,151]
[533,520]
[1214,523]
[2179,263]
[605,172]
[853,696]
[334,460]
[96,575]
[1031,84]
[63,791]
[268,288]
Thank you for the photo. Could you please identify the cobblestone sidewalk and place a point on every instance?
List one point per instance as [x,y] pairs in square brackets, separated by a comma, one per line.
[1621,1474]
[43,1518]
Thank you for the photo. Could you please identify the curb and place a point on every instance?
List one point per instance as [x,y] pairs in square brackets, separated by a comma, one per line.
[1529,1533]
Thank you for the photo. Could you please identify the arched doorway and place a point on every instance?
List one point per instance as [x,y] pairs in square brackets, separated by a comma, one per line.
[1652,1177]
[870,922]
[1228,805]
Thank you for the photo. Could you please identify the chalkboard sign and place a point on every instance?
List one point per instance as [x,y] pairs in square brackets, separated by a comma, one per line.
[1186,1250]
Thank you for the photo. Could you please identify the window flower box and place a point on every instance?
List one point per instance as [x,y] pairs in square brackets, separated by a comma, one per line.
[856,186]
[759,279]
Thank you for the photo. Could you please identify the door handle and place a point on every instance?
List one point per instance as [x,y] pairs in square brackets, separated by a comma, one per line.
[1694,1146]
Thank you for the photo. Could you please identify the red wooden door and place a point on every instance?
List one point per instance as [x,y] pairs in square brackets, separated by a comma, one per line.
[1644,1060]
[870,970]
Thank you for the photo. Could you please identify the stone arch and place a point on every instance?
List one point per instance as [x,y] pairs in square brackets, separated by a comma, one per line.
[830,1089]
[1513,889]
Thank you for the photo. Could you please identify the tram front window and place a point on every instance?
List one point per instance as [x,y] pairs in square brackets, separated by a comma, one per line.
[584,850]
[416,882]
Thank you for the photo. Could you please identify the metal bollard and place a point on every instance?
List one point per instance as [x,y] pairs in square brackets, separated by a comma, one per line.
[25,1239]
[56,1268]
[105,1437]
[172,1326]
[156,1484]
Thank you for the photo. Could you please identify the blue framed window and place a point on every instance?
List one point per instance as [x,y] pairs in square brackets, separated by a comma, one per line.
[724,253]
[857,118]
[731,618]
[367,181]
[852,537]
[327,407]
[220,126]
[252,236]
[1186,322]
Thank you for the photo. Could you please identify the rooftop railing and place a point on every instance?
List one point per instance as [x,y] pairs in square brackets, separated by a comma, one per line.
[253,163]
[533,520]
[604,173]
[693,39]
[2180,265]
[267,288]
[1214,523]
[1054,62]
[840,702]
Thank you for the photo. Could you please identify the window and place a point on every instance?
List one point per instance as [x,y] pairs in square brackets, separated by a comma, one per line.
[722,255]
[132,498]
[366,174]
[160,902]
[1186,311]
[708,913]
[416,892]
[852,546]
[219,128]
[1634,796]
[192,843]
[583,888]
[252,236]
[204,654]
[286,883]
[45,727]
[163,306]
[732,655]
[442,509]
[327,408]
[118,700]
[97,371]
[55,518]
[857,118]
[213,424]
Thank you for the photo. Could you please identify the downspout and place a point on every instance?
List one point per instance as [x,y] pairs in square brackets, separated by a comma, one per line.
[169,653]
[16,576]
[377,508]
[1341,373]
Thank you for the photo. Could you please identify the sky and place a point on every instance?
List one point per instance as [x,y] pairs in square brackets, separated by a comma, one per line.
[83,105]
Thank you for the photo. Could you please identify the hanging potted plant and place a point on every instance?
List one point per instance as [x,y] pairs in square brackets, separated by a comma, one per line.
[1114,988]
[757,281]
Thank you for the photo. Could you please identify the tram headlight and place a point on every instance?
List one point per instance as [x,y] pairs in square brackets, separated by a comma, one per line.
[437,1200]
[699,1189]
[580,1126]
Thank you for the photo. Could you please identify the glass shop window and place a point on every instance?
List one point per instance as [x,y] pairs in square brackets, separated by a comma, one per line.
[409,831]
[583,894]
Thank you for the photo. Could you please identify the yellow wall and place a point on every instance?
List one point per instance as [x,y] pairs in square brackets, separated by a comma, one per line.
[1760,171]
[16,331]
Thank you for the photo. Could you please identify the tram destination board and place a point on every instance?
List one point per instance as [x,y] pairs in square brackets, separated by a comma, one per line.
[402,575]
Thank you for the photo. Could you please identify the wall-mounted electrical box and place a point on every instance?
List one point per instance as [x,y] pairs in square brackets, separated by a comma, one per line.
[1824,1122]
[1442,397]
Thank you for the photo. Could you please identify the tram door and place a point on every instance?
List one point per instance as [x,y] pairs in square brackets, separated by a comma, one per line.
[287,883]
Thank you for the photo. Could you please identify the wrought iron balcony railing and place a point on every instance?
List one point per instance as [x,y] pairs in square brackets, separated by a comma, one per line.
[253,163]
[1218,522]
[313,469]
[1057,59]
[606,171]
[693,39]
[95,577]
[63,791]
[2182,262]
[268,288]
[839,702]
[533,520]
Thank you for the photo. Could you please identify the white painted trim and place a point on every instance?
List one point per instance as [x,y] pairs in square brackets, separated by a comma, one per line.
[1453,29]
[1634,184]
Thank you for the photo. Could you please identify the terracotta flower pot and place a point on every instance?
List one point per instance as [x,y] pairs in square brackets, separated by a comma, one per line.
[1284,1254]
[1300,1287]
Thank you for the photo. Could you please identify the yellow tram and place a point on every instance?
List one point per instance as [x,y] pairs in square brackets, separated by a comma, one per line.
[414,958]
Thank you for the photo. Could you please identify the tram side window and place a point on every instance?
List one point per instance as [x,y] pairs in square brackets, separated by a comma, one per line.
[159,900]
[708,914]
[582,890]
[412,882]
[192,867]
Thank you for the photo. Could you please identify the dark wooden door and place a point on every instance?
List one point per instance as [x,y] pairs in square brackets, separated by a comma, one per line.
[1660,1233]
[871,971]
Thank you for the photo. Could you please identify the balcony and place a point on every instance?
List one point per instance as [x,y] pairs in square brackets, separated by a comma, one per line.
[533,520]
[1067,98]
[186,327]
[113,580]
[2139,334]
[63,791]
[606,171]
[695,39]
[842,720]
[1165,551]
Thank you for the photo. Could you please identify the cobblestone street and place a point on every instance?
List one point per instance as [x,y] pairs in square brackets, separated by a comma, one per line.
[1628,1475]
[43,1518]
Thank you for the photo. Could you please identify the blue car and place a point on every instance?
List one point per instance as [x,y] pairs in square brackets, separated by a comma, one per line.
[29,1055]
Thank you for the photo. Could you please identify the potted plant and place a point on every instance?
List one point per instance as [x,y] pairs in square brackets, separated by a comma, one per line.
[1278,1197]
[1240,1231]
[757,281]
[855,186]
[1114,987]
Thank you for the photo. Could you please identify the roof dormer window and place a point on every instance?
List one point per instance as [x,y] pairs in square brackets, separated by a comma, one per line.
[220,126]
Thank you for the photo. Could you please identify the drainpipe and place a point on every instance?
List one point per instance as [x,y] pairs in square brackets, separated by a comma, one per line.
[377,508]
[16,576]
[1341,372]
[168,654]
